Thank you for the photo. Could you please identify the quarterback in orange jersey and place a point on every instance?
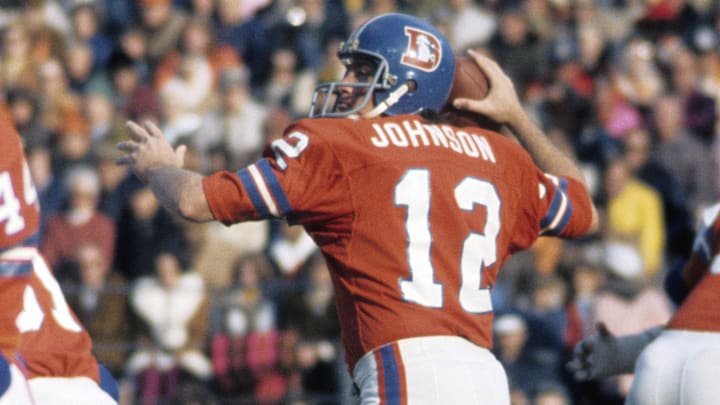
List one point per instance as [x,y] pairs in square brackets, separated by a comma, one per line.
[54,350]
[676,364]
[414,216]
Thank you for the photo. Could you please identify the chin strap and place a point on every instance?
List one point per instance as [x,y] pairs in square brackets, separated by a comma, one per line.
[389,101]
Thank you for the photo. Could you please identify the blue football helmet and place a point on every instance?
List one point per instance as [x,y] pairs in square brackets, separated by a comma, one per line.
[415,68]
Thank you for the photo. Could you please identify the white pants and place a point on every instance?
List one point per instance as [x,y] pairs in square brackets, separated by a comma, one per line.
[15,386]
[75,390]
[431,370]
[678,368]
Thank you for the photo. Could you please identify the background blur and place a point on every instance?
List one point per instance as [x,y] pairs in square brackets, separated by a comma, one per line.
[206,314]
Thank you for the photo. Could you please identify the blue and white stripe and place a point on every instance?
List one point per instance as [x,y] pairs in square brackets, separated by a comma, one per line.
[17,261]
[560,210]
[264,190]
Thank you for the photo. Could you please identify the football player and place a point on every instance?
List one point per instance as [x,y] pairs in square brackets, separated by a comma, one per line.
[19,221]
[674,364]
[53,349]
[413,216]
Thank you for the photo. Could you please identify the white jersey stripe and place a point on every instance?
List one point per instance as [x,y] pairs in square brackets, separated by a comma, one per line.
[263,189]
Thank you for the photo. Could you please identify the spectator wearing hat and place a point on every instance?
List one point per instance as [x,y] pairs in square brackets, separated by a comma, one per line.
[511,349]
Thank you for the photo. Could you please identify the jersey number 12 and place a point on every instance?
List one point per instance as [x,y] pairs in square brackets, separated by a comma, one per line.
[478,250]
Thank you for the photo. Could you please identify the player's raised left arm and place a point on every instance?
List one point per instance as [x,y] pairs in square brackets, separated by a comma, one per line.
[156,163]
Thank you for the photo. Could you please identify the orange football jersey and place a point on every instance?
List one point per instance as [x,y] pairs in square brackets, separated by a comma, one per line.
[413,218]
[53,342]
[35,319]
[19,223]
[699,309]
[19,209]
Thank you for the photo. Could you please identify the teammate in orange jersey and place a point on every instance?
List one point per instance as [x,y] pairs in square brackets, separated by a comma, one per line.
[674,364]
[19,221]
[36,322]
[414,216]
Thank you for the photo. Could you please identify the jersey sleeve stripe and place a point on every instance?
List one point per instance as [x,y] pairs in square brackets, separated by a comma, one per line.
[275,188]
[559,213]
[17,261]
[263,190]
[252,192]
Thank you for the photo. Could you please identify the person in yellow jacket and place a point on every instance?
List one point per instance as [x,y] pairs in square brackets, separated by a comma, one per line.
[634,215]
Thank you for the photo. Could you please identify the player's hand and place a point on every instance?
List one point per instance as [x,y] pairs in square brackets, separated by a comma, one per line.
[148,149]
[501,103]
[605,355]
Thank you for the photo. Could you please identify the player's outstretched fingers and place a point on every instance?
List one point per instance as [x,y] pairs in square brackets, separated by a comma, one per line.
[137,133]
[127,158]
[153,129]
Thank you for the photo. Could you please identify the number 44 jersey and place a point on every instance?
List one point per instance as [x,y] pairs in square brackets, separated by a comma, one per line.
[413,218]
[19,224]
[35,318]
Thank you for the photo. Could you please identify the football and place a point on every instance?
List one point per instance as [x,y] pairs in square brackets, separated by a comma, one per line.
[469,82]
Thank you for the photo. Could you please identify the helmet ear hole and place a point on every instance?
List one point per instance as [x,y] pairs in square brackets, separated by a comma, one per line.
[412,85]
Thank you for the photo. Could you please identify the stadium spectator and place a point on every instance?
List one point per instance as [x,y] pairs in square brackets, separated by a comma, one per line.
[634,214]
[311,314]
[245,346]
[173,307]
[80,223]
[688,159]
[627,303]
[644,160]
[99,299]
[142,231]
[86,30]
[237,123]
[162,24]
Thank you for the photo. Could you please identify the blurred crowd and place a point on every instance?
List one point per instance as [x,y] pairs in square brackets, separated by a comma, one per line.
[203,313]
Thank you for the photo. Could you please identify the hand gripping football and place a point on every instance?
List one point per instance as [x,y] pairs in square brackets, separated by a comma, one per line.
[469,82]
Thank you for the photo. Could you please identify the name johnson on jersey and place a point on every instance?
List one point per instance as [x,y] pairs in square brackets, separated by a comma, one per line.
[414,133]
